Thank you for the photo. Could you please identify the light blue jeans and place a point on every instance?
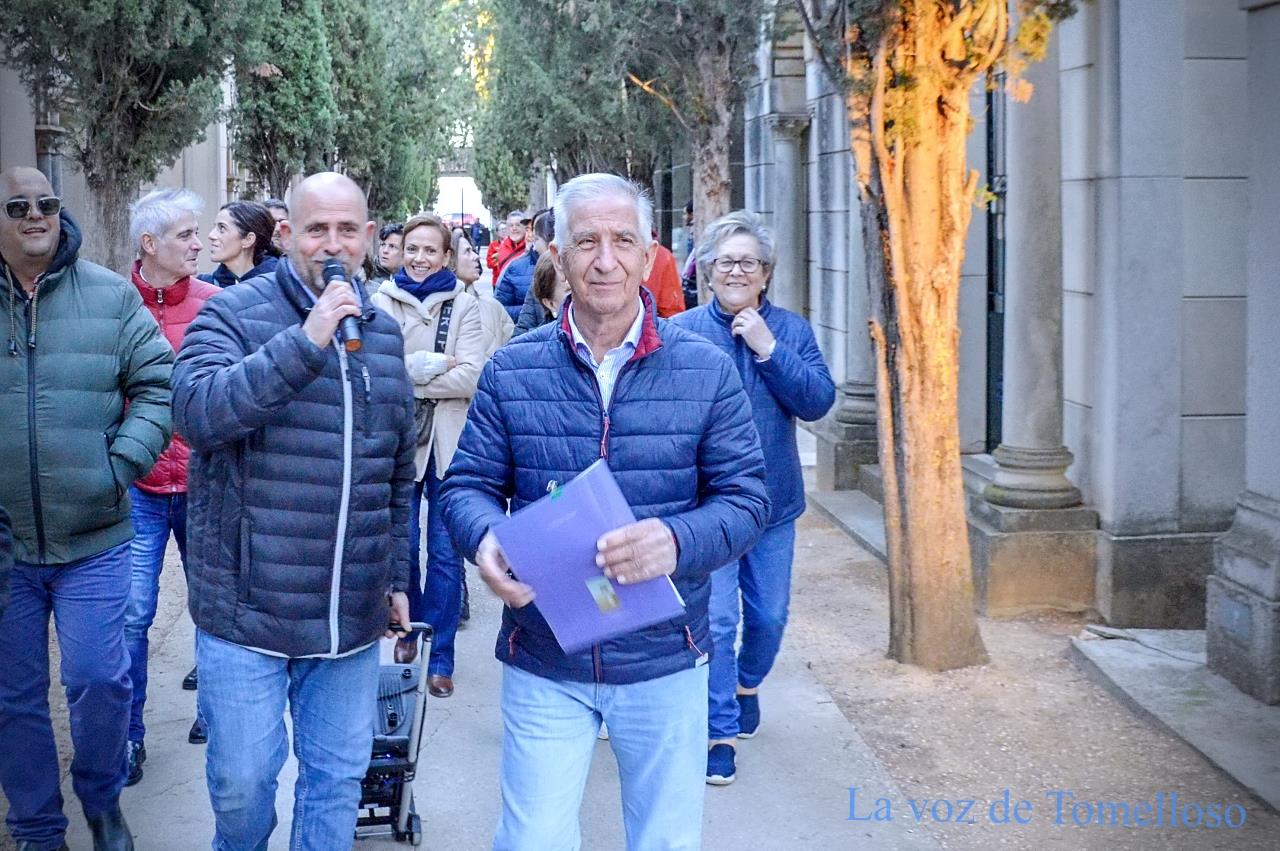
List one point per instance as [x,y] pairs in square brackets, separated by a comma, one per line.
[656,732]
[756,587]
[242,697]
[155,517]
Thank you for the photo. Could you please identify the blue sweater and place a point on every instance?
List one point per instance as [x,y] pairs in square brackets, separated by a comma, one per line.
[679,439]
[792,384]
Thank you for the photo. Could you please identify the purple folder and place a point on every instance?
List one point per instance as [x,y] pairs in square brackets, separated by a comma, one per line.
[551,546]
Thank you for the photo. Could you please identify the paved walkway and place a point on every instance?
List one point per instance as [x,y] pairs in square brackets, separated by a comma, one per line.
[791,792]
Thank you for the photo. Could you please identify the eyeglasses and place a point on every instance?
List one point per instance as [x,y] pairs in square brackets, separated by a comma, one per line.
[746,264]
[18,208]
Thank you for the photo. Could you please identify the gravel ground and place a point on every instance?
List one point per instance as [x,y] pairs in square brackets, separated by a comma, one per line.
[1030,721]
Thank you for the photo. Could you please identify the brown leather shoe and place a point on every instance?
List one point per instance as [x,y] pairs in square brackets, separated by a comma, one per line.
[406,650]
[439,685]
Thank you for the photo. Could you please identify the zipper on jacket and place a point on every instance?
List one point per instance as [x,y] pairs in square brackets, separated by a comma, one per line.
[344,505]
[597,662]
[32,450]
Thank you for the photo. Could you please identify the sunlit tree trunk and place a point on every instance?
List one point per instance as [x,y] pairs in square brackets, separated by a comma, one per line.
[916,197]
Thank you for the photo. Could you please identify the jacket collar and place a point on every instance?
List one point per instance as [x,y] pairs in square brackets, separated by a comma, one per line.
[151,296]
[650,339]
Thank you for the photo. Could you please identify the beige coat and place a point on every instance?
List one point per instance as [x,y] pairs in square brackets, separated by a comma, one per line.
[453,389]
[497,324]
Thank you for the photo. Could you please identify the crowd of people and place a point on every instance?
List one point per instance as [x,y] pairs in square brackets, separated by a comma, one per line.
[283,419]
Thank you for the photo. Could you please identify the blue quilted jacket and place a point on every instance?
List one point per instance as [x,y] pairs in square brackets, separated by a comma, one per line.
[792,384]
[680,441]
[514,283]
[301,472]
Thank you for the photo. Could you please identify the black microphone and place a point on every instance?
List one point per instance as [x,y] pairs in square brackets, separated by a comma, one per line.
[349,327]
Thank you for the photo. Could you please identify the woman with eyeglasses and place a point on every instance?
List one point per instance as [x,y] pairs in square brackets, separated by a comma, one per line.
[240,243]
[786,379]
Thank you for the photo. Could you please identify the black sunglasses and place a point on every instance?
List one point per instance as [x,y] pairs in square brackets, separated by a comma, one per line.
[18,208]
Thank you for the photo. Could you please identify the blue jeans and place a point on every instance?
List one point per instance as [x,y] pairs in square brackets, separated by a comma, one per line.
[441,604]
[763,576]
[87,599]
[655,731]
[154,518]
[242,697]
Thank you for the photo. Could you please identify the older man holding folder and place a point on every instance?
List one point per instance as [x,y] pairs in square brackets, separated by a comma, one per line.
[609,379]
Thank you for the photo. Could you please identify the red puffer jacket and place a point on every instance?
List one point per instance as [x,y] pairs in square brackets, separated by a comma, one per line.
[173,308]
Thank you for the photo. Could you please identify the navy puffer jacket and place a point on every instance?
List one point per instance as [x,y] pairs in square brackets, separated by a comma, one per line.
[792,384]
[679,439]
[514,283]
[301,472]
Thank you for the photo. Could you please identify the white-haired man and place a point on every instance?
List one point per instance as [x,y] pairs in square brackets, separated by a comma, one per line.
[164,228]
[609,379]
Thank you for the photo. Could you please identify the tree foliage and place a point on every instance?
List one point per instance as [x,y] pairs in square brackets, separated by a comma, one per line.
[285,113]
[133,81]
[907,69]
[555,92]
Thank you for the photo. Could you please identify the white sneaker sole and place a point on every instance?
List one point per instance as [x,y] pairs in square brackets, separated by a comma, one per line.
[718,780]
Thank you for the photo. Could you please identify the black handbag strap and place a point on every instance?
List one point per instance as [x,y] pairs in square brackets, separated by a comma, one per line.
[442,325]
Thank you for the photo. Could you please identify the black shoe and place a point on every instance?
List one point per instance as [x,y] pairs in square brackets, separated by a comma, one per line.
[137,755]
[110,833]
[199,732]
[191,681]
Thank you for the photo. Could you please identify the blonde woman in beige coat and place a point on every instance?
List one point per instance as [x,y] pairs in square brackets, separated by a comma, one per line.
[444,380]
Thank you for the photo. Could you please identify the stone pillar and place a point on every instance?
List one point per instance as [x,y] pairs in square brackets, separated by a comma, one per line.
[1033,548]
[1243,593]
[788,288]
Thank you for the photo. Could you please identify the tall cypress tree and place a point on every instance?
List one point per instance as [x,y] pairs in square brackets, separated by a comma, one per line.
[285,113]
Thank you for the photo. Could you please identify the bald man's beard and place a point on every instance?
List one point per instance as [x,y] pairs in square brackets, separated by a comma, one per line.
[308,268]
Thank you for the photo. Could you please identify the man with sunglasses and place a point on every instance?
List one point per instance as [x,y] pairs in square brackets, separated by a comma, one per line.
[84,412]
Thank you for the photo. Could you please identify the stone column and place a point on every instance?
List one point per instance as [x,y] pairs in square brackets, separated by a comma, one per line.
[788,288]
[1032,547]
[1243,593]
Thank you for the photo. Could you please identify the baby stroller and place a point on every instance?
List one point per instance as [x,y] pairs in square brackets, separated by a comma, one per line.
[386,793]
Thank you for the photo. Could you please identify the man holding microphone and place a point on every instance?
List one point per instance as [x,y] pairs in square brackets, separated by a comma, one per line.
[301,477]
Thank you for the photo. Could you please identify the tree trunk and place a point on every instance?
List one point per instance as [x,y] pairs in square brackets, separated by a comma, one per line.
[916,198]
[712,142]
[111,199]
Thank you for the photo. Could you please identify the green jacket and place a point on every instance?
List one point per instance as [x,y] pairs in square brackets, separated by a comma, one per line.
[84,405]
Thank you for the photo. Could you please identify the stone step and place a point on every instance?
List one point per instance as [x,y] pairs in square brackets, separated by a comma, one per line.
[860,516]
[871,481]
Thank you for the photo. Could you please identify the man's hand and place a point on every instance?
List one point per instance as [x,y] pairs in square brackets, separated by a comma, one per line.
[398,602]
[493,570]
[637,551]
[750,326]
[337,300]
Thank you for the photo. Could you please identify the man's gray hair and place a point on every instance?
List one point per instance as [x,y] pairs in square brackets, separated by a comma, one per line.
[586,188]
[155,212]
[732,224]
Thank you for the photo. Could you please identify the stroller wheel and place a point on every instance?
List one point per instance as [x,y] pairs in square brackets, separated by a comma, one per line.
[415,830]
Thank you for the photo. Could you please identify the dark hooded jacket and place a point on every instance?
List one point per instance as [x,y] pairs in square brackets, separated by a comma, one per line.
[301,472]
[84,405]
[224,277]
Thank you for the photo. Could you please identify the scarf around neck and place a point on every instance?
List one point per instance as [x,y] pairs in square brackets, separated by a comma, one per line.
[439,281]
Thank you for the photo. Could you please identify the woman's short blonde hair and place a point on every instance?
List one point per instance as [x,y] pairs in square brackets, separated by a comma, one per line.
[430,220]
